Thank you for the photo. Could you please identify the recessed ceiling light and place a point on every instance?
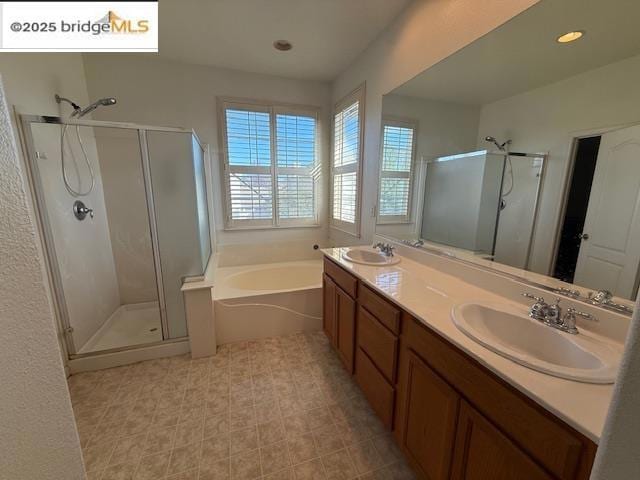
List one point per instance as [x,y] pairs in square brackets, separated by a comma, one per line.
[282,45]
[570,36]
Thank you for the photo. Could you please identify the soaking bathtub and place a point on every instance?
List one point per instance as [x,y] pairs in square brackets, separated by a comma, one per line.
[260,301]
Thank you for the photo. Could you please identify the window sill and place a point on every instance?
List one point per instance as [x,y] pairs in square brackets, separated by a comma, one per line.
[270,227]
[394,222]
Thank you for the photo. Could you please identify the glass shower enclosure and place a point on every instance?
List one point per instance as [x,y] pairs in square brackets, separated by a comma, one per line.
[122,210]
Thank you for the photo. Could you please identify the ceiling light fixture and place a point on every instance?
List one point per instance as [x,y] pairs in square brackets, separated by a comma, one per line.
[570,36]
[282,45]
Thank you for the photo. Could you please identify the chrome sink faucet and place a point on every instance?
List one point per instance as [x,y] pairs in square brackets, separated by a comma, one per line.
[385,248]
[551,315]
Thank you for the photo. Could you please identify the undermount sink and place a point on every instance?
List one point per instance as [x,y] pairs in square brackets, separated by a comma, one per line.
[508,331]
[369,256]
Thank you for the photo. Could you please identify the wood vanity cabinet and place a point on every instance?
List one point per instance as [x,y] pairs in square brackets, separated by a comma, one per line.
[451,416]
[339,312]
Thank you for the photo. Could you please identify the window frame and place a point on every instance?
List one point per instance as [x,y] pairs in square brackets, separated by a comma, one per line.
[357,95]
[401,122]
[273,109]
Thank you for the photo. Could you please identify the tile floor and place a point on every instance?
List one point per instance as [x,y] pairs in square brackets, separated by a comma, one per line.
[279,409]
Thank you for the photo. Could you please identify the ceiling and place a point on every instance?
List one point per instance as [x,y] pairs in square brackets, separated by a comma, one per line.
[327,35]
[522,54]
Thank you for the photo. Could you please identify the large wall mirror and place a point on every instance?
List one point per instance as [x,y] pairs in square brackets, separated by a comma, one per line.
[521,152]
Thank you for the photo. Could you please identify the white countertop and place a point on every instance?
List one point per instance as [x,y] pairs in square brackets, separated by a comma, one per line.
[429,295]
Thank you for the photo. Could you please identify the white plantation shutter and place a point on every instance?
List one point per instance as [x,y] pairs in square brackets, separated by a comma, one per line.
[296,160]
[398,147]
[270,165]
[345,166]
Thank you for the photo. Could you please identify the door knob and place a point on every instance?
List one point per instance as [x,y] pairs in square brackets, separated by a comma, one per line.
[583,236]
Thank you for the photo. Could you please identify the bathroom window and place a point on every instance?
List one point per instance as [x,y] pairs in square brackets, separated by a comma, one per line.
[270,165]
[396,171]
[347,162]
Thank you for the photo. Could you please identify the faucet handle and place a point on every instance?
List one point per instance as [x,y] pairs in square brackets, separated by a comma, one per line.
[578,313]
[533,297]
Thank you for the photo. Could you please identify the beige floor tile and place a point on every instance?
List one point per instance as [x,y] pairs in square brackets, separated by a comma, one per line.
[286,474]
[267,411]
[274,458]
[302,448]
[269,393]
[311,470]
[271,432]
[184,458]
[153,467]
[122,471]
[189,432]
[159,440]
[128,450]
[327,439]
[339,466]
[189,475]
[214,448]
[243,440]
[217,425]
[218,470]
[243,417]
[97,457]
[365,457]
[245,466]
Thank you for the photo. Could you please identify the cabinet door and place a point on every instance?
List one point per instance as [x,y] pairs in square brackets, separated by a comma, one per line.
[431,413]
[329,308]
[482,452]
[345,327]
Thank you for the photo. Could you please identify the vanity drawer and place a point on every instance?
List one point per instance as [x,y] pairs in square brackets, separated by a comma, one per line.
[565,453]
[344,280]
[387,313]
[379,393]
[379,343]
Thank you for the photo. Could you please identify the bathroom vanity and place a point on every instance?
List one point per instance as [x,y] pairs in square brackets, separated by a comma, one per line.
[456,409]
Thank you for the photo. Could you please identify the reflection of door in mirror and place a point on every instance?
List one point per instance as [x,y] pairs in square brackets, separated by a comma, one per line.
[610,247]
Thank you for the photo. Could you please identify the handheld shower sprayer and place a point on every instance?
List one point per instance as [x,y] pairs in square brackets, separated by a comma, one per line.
[79,112]
[501,147]
[504,148]
[103,102]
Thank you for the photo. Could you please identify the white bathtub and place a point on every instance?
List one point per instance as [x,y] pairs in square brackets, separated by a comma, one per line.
[260,301]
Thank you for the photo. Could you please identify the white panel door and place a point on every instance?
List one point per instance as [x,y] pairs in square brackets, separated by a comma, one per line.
[610,249]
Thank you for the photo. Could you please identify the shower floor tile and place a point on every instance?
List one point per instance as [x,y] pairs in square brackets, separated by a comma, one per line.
[281,407]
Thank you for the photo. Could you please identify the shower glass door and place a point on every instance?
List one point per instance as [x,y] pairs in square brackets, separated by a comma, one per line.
[106,287]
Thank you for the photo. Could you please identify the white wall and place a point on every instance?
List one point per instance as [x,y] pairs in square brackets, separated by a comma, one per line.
[443,129]
[38,438]
[425,33]
[83,248]
[546,120]
[158,92]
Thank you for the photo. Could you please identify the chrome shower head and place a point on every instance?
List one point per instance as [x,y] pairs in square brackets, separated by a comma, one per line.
[107,101]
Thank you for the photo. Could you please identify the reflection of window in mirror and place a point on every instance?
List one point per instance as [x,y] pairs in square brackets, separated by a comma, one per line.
[396,170]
